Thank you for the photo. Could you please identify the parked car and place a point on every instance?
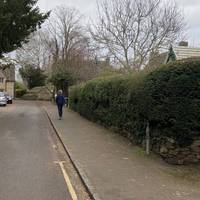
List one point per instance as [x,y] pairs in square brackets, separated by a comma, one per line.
[3,99]
[9,98]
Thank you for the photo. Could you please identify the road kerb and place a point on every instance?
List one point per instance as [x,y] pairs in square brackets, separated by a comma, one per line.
[89,188]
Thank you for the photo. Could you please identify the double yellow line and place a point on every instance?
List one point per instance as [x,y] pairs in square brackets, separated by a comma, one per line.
[67,181]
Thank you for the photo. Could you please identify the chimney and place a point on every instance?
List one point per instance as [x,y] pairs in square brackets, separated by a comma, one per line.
[183,44]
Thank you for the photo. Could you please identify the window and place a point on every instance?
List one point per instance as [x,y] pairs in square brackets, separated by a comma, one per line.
[1,80]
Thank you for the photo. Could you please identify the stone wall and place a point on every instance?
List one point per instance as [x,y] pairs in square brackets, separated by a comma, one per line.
[2,86]
[38,93]
[174,154]
[10,88]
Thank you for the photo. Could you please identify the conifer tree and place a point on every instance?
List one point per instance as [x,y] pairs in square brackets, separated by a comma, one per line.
[171,55]
[18,19]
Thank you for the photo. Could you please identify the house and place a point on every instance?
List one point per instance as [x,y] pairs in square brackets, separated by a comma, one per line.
[7,80]
[2,81]
[180,52]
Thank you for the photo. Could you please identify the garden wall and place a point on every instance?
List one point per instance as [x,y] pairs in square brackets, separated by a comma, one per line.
[168,98]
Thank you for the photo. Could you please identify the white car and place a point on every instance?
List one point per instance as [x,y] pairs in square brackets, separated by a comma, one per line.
[3,99]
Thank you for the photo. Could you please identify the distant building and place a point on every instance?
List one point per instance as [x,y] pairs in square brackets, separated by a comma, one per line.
[7,80]
[182,51]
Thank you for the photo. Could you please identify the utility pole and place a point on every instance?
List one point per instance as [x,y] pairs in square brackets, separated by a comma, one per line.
[147,139]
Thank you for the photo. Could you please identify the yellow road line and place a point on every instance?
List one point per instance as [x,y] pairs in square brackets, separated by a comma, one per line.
[67,180]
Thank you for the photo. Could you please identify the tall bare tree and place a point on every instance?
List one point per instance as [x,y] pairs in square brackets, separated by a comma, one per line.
[132,30]
[34,52]
[69,41]
[68,30]
[62,42]
[61,36]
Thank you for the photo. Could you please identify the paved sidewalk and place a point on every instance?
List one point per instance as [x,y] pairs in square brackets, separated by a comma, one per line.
[114,169]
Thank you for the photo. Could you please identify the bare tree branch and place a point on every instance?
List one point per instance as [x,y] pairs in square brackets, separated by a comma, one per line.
[132,30]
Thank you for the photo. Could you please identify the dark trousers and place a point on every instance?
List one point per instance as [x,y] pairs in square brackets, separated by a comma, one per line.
[60,110]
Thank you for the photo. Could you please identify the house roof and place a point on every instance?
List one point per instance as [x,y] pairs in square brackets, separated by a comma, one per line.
[186,52]
[181,52]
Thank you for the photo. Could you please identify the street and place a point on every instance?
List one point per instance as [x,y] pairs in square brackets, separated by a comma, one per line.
[32,165]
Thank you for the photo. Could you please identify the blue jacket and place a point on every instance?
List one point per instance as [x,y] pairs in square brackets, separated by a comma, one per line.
[60,100]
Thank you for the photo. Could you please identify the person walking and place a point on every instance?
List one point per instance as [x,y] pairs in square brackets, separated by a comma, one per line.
[60,101]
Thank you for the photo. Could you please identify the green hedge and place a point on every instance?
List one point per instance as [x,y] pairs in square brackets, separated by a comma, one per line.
[169,98]
[173,100]
[20,90]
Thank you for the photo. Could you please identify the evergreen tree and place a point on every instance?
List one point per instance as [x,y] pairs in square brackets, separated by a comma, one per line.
[32,76]
[18,19]
[171,55]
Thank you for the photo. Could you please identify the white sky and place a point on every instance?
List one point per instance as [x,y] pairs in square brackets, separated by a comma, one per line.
[191,9]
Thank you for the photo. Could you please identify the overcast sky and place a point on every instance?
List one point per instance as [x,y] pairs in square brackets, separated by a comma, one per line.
[191,10]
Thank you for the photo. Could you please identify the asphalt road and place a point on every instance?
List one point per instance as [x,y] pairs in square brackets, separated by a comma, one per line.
[27,156]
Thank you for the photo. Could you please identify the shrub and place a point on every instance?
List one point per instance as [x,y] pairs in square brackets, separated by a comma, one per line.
[172,100]
[108,101]
[20,90]
[33,76]
[61,77]
[74,93]
[168,98]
